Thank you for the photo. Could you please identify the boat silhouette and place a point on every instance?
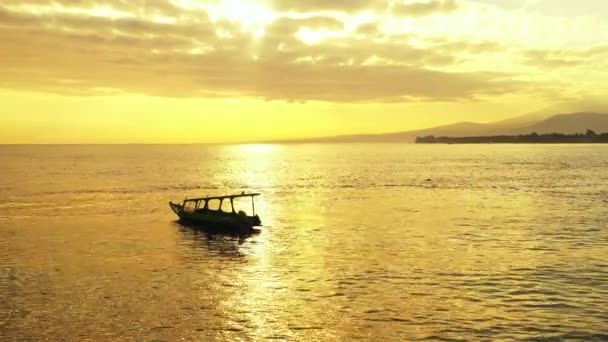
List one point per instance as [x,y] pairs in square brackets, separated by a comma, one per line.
[197,211]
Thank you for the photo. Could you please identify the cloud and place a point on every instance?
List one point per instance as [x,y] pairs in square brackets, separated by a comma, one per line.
[84,53]
[132,7]
[368,29]
[398,7]
[423,8]
[562,58]
[324,5]
[285,26]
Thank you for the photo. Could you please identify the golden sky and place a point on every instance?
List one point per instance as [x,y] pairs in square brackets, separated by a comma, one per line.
[152,71]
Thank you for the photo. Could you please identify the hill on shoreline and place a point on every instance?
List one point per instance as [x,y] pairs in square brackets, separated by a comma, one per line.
[527,124]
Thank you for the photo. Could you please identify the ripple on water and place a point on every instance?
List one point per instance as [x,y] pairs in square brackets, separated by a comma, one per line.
[504,243]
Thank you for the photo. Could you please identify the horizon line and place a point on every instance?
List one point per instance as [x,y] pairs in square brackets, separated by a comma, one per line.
[301,140]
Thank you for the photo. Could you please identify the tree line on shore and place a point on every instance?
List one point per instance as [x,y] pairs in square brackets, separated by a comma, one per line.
[590,137]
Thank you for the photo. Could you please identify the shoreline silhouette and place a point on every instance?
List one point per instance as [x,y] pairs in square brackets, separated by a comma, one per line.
[590,137]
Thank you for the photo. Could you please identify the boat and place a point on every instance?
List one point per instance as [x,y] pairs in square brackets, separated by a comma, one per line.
[197,211]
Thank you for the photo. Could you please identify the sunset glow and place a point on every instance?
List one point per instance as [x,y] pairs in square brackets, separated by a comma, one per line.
[188,71]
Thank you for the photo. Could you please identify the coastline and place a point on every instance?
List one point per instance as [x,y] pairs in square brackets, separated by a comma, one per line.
[589,137]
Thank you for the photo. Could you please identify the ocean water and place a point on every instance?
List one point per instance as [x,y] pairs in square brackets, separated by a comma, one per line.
[372,242]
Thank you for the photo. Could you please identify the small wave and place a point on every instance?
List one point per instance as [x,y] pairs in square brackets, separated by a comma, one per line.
[579,336]
[550,306]
[299,328]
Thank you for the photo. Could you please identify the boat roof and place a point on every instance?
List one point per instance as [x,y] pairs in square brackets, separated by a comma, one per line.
[221,197]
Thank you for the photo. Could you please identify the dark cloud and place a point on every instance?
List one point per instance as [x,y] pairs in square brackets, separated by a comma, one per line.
[82,54]
[369,29]
[138,7]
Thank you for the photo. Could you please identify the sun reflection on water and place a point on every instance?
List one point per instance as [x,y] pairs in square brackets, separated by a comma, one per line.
[258,148]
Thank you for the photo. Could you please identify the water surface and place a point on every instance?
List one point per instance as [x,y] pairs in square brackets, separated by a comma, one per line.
[384,242]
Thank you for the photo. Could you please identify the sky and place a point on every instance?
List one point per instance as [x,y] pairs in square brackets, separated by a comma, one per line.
[189,71]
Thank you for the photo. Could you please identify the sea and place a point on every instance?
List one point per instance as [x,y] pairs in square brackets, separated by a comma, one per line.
[382,242]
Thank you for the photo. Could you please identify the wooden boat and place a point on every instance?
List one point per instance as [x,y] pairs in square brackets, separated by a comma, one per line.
[196,210]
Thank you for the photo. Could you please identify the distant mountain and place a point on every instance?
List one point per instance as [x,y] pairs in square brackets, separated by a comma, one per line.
[408,136]
[523,120]
[572,123]
[526,124]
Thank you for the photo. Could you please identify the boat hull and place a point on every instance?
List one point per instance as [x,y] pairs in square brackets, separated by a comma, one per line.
[215,220]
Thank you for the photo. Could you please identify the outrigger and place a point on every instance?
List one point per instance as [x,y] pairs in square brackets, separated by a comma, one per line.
[196,210]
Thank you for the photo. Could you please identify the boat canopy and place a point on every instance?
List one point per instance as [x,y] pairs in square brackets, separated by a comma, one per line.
[205,200]
[221,197]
